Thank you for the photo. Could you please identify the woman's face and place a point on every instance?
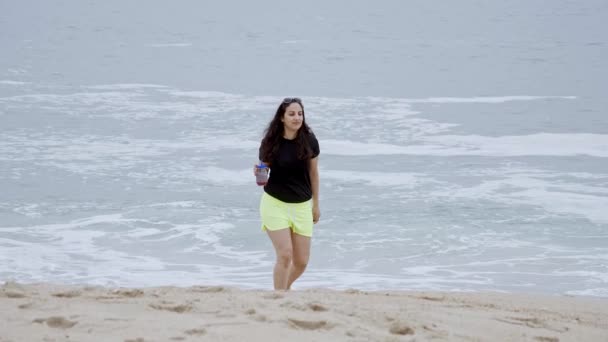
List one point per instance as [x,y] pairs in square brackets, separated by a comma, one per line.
[293,117]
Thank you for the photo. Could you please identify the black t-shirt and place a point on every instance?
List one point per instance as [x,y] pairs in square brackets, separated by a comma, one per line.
[289,179]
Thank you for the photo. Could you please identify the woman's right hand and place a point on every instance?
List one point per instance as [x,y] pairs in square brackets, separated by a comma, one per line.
[256,168]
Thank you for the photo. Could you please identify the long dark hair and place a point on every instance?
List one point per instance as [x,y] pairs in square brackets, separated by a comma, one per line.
[275,130]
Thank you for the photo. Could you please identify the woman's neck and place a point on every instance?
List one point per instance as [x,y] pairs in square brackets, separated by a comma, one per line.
[290,135]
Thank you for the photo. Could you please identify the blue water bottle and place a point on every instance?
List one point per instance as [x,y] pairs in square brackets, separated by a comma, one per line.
[261,174]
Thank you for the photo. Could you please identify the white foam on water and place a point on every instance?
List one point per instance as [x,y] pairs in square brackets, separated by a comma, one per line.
[416,135]
[592,292]
[83,222]
[133,102]
[373,120]
[381,179]
[221,176]
[546,144]
[588,206]
[214,102]
[295,41]
[92,249]
[537,188]
[108,152]
[208,95]
[162,45]
[66,249]
[541,144]
[598,276]
[30,210]
[13,83]
[177,204]
[81,148]
[72,102]
[125,86]
[488,99]
[138,233]
[17,71]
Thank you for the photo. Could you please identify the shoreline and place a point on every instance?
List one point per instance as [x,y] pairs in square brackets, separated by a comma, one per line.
[55,312]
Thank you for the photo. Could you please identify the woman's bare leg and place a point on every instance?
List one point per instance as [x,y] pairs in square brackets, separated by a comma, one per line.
[281,240]
[301,254]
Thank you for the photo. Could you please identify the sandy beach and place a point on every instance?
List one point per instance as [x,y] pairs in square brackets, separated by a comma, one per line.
[47,312]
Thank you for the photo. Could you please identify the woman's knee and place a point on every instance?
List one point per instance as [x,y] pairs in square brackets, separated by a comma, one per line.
[284,256]
[300,262]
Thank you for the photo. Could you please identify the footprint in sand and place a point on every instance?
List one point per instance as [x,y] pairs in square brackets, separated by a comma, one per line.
[253,314]
[12,287]
[195,332]
[25,306]
[435,332]
[67,294]
[174,308]
[260,318]
[56,322]
[130,293]
[310,306]
[225,315]
[274,295]
[111,319]
[308,325]
[13,294]
[433,299]
[546,339]
[531,322]
[292,305]
[208,289]
[316,307]
[527,321]
[400,328]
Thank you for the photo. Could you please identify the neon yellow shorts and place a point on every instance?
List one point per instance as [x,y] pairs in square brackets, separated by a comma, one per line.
[277,214]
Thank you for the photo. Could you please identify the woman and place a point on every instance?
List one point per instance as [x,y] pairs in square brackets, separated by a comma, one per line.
[290,203]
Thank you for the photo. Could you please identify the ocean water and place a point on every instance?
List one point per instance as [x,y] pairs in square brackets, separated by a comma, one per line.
[463,146]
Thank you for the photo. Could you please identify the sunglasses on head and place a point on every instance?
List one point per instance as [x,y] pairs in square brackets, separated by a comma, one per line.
[289,100]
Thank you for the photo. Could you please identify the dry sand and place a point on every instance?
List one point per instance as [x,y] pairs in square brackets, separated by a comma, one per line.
[46,312]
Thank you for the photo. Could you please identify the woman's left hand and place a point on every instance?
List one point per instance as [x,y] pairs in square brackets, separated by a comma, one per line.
[316,214]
